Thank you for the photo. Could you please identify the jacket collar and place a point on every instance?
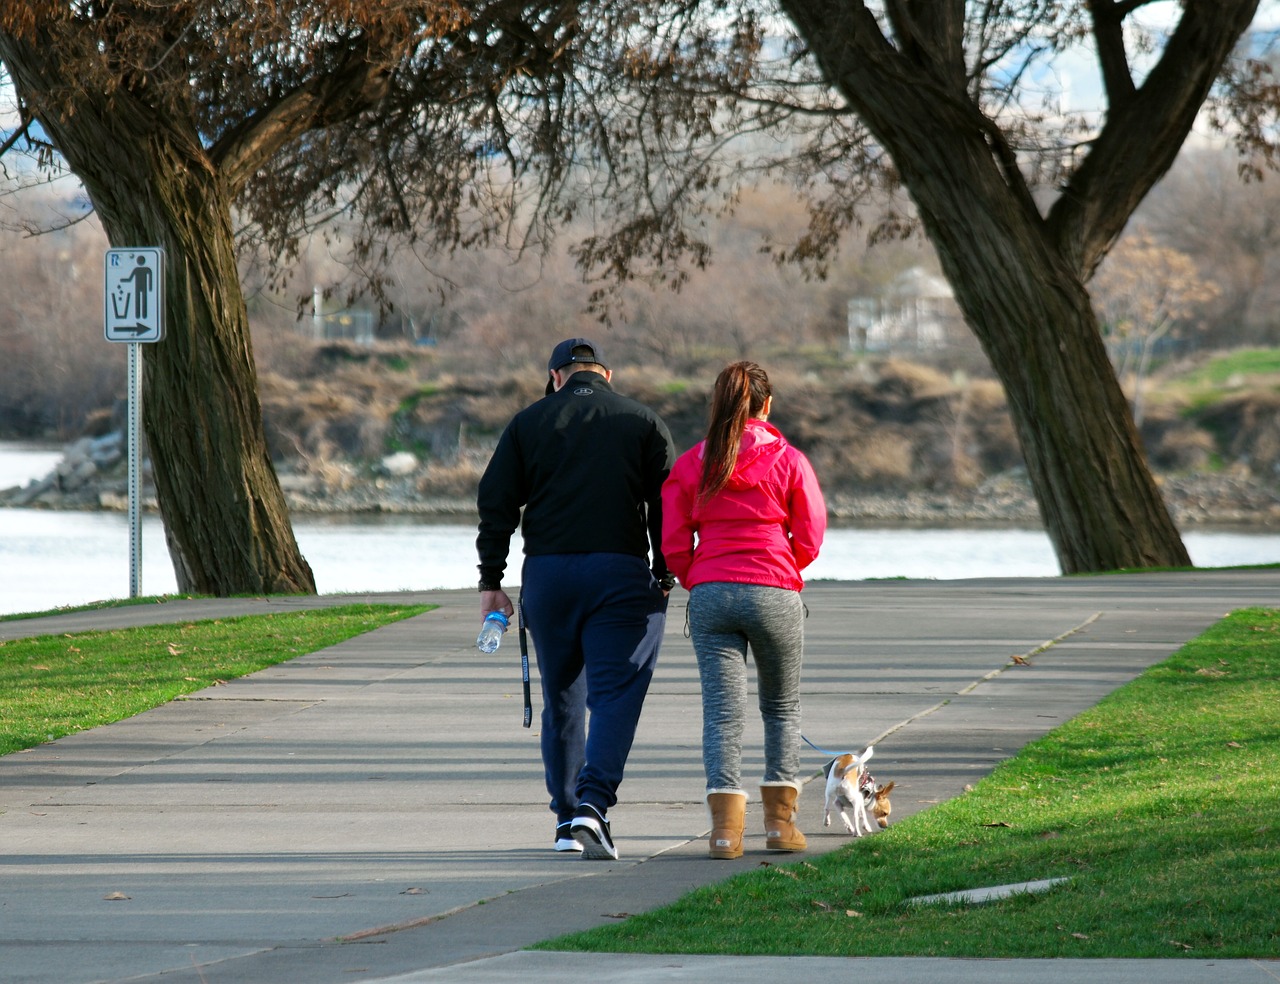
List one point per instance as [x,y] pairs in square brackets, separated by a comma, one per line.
[588,377]
[584,377]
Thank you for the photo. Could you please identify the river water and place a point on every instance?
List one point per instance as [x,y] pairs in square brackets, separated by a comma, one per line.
[50,559]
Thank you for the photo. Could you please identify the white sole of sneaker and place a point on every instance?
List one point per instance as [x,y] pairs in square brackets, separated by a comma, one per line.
[592,851]
[594,846]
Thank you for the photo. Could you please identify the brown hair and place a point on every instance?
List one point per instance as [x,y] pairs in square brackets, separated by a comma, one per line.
[740,392]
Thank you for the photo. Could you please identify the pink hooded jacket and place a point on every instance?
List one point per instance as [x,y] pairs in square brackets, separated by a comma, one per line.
[764,527]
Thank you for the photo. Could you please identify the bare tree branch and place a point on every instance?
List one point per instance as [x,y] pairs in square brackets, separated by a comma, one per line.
[14,137]
[1103,193]
[1108,31]
[356,87]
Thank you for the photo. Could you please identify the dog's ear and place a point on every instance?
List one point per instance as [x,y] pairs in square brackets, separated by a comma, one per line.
[882,807]
[867,754]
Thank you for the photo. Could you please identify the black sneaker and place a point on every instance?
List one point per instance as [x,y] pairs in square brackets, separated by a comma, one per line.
[564,839]
[590,829]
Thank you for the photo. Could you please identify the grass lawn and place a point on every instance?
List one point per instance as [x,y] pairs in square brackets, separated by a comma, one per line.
[1161,805]
[1243,363]
[1225,374]
[55,685]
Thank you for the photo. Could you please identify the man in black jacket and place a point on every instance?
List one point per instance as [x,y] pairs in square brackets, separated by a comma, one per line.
[586,466]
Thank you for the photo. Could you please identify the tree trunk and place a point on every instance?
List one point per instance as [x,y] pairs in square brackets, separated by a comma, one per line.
[152,184]
[1032,314]
[1100,505]
[1018,279]
[226,521]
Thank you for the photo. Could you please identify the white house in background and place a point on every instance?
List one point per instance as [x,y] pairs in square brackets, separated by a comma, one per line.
[915,312]
[353,324]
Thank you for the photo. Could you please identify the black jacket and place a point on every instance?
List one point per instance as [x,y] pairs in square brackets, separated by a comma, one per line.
[587,466]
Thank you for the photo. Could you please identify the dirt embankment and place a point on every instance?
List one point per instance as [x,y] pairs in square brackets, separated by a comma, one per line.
[891,441]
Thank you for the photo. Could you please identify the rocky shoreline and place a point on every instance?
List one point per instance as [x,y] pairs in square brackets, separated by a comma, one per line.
[93,476]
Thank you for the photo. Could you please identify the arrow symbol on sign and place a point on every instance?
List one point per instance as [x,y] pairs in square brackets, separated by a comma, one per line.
[138,329]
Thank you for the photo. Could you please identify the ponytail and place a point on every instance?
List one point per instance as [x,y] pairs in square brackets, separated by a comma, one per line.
[740,392]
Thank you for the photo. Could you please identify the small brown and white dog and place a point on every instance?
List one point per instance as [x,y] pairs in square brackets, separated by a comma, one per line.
[851,786]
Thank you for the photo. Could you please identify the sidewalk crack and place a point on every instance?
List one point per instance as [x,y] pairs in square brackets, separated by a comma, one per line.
[1022,659]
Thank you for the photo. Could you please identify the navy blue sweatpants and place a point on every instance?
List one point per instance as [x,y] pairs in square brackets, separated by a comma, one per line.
[597,621]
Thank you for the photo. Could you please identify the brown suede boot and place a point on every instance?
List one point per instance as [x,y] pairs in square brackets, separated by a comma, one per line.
[781,834]
[728,817]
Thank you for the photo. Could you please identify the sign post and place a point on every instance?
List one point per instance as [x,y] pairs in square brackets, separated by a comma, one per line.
[133,312]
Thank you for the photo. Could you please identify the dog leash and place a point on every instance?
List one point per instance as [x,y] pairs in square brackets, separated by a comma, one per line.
[867,783]
[524,660]
[824,751]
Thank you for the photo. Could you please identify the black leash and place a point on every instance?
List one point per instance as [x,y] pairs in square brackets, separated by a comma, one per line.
[524,661]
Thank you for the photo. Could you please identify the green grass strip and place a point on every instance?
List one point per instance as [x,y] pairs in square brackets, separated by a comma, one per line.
[1161,805]
[95,606]
[55,685]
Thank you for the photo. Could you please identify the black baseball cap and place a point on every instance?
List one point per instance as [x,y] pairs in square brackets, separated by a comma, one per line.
[562,355]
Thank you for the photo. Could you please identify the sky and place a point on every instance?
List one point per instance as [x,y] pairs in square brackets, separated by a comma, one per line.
[1078,70]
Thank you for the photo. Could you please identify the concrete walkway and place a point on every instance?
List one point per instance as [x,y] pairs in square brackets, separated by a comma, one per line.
[341,817]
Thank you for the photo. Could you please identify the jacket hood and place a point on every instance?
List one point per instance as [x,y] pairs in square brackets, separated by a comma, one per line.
[759,451]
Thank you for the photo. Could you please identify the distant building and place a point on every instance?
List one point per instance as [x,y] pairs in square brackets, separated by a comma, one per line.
[352,324]
[915,312]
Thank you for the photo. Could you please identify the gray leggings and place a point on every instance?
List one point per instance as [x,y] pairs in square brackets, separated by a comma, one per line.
[724,618]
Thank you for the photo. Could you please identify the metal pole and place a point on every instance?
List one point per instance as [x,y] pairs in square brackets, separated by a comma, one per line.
[135,468]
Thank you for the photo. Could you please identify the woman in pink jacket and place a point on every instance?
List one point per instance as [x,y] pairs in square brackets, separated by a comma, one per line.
[742,516]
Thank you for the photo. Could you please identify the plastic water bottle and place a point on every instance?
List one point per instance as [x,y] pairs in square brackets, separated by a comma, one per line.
[495,623]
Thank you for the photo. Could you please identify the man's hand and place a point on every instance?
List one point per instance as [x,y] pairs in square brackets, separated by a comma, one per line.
[496,601]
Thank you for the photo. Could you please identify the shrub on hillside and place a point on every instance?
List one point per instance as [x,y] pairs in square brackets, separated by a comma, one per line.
[1247,426]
